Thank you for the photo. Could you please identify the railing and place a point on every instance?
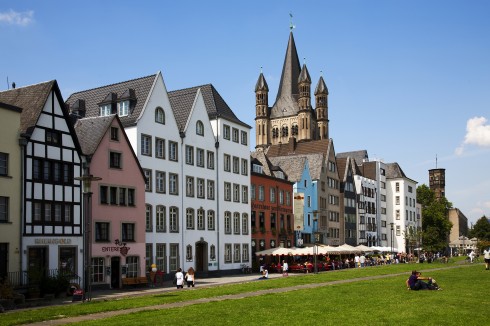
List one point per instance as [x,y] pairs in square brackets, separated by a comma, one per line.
[24,278]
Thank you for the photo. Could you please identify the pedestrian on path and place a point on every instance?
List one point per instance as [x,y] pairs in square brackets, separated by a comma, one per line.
[486,256]
[285,268]
[190,277]
[179,279]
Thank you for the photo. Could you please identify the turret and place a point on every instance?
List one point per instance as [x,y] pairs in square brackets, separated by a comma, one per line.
[262,112]
[305,131]
[321,102]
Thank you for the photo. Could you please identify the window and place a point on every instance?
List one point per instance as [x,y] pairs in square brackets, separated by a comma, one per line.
[227,252]
[123,108]
[122,196]
[173,186]
[236,223]
[200,188]
[98,270]
[189,188]
[174,256]
[236,193]
[236,164]
[227,191]
[161,256]
[161,219]
[103,194]
[159,115]
[189,218]
[397,200]
[244,137]
[4,209]
[105,110]
[210,189]
[244,223]
[288,198]
[131,197]
[211,220]
[173,151]
[236,253]
[200,157]
[53,137]
[102,232]
[188,253]
[149,218]
[160,148]
[212,252]
[235,135]
[145,145]
[148,179]
[115,160]
[245,252]
[252,192]
[128,233]
[133,266]
[227,163]
[245,194]
[148,256]
[200,128]
[52,212]
[174,219]
[211,160]
[226,132]
[261,193]
[244,166]
[189,155]
[227,222]
[281,197]
[114,133]
[160,181]
[272,198]
[200,219]
[397,214]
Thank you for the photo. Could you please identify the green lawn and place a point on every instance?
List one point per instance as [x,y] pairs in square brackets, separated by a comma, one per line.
[380,302]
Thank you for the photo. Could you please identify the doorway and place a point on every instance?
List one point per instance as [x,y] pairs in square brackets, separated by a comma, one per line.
[37,260]
[201,256]
[115,272]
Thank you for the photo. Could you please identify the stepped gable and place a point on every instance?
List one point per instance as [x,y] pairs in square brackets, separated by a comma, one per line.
[31,99]
[183,99]
[299,148]
[92,97]
[90,132]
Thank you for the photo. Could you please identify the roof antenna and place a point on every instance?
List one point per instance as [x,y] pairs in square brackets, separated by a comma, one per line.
[436,161]
[8,84]
[291,26]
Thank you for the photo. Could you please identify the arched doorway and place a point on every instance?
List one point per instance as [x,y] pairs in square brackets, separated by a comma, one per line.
[201,256]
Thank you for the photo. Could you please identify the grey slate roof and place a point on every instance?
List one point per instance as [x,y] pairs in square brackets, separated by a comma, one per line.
[93,97]
[261,84]
[299,148]
[31,99]
[359,156]
[292,168]
[90,132]
[321,87]
[182,100]
[393,171]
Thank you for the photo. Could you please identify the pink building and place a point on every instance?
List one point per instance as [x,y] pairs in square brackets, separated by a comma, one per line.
[118,201]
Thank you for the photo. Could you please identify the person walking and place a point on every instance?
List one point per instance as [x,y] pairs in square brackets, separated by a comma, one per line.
[190,277]
[179,279]
[486,256]
[285,268]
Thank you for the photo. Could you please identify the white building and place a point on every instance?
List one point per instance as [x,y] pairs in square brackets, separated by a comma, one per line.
[402,206]
[182,140]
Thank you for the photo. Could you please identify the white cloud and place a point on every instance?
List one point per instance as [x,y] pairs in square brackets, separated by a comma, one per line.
[17,18]
[477,133]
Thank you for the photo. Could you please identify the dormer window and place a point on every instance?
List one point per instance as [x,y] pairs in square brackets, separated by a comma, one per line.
[123,108]
[105,110]
[258,168]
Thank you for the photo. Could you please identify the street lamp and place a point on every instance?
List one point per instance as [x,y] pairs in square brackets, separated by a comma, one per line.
[316,235]
[87,217]
[392,234]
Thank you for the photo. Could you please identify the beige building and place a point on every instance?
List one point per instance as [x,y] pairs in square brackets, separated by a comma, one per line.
[10,189]
[460,224]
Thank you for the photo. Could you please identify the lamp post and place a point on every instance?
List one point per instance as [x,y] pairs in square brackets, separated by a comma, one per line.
[87,217]
[392,234]
[316,235]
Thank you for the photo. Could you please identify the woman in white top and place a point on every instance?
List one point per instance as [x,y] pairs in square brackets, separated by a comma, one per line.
[179,277]
[190,277]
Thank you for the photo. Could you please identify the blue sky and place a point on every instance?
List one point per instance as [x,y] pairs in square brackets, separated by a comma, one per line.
[408,80]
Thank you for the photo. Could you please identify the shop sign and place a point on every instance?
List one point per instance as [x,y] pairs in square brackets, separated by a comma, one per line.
[62,241]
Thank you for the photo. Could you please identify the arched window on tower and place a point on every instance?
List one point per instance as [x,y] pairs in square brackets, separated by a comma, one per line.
[285,131]
[294,130]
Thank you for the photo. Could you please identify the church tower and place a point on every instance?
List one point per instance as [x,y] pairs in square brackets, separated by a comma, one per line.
[262,123]
[321,102]
[305,125]
[437,182]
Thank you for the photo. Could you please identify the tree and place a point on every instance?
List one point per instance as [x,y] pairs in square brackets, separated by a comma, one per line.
[435,222]
[481,229]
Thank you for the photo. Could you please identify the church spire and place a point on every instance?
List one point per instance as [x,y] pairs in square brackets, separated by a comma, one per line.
[288,85]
